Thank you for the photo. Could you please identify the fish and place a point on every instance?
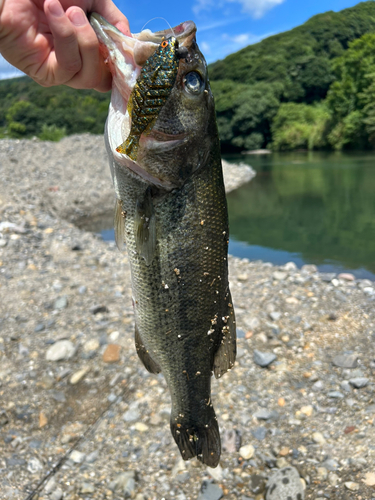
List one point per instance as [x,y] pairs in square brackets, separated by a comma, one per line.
[171,213]
[152,89]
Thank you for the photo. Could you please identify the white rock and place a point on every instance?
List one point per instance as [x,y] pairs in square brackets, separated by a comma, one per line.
[79,375]
[34,465]
[141,427]
[247,451]
[91,346]
[63,349]
[350,485]
[318,438]
[77,457]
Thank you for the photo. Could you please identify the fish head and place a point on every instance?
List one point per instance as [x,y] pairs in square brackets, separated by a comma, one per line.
[180,139]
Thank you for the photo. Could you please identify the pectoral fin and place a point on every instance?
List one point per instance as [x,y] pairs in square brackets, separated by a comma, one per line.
[119,224]
[145,228]
[144,356]
[225,355]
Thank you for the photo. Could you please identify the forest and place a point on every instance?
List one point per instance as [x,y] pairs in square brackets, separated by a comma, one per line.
[312,87]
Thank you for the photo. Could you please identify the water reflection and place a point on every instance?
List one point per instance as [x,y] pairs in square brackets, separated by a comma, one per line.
[309,208]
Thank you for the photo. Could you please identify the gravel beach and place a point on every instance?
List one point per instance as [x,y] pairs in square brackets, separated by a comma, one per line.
[80,418]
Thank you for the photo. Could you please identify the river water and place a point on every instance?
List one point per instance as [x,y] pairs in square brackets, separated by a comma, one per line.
[306,207]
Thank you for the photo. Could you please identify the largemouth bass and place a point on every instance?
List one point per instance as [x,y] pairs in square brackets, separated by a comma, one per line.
[172,213]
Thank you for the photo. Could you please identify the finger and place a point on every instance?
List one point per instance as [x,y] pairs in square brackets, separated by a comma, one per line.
[113,15]
[94,72]
[68,58]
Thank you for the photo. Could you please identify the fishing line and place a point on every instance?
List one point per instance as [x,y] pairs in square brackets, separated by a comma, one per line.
[163,19]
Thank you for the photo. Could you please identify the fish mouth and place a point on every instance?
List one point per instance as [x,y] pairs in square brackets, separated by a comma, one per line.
[125,56]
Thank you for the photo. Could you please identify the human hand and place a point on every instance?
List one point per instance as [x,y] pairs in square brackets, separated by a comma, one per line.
[53,42]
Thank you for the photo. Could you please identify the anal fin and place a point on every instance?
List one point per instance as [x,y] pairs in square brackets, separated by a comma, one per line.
[144,356]
[225,355]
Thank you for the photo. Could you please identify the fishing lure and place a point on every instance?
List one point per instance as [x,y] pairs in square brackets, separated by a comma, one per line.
[151,91]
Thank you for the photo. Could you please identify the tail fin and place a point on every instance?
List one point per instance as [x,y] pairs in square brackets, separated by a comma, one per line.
[129,147]
[198,440]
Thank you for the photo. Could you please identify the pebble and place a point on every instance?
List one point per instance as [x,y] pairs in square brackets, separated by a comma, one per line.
[335,394]
[318,438]
[50,485]
[58,396]
[61,302]
[99,309]
[346,276]
[345,360]
[90,347]
[333,479]
[124,483]
[112,353]
[39,327]
[92,457]
[87,488]
[34,465]
[77,456]
[259,433]
[257,483]
[264,414]
[331,464]
[132,415]
[275,315]
[321,473]
[3,418]
[56,495]
[63,349]
[264,359]
[359,382]
[210,491]
[285,484]
[247,451]
[141,427]
[307,410]
[369,479]
[79,375]
[231,440]
[43,421]
[216,473]
[350,485]
[279,275]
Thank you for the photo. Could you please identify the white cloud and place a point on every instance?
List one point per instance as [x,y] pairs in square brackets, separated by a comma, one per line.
[256,8]
[7,70]
[241,39]
[205,47]
[230,44]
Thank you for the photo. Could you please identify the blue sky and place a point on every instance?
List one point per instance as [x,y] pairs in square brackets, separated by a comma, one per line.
[224,26]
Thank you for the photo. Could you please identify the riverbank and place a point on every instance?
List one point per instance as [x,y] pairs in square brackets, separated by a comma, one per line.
[68,366]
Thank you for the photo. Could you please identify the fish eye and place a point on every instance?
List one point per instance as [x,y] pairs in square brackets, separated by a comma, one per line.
[164,44]
[193,83]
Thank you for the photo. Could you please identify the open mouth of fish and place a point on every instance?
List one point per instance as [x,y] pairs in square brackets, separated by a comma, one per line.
[125,56]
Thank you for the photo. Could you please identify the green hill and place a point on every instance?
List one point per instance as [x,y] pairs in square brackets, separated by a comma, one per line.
[27,109]
[311,87]
[252,86]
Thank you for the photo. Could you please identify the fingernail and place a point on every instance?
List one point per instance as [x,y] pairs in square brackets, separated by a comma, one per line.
[78,18]
[56,9]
